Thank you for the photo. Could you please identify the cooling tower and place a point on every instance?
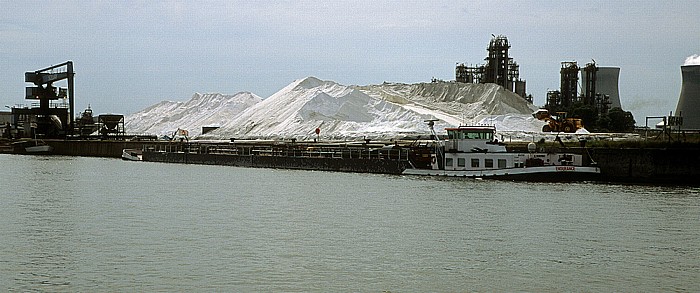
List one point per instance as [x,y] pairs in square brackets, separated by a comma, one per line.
[606,84]
[689,101]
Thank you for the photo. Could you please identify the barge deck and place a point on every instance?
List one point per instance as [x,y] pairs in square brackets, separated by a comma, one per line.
[343,157]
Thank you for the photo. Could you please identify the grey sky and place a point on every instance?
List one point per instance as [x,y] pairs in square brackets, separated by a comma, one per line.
[132,54]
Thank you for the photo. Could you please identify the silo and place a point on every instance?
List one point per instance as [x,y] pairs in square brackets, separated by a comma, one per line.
[606,83]
[689,101]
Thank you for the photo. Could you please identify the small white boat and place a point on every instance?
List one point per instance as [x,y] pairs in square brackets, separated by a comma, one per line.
[39,147]
[472,151]
[132,155]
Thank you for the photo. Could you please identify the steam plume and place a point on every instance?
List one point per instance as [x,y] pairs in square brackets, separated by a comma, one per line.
[692,60]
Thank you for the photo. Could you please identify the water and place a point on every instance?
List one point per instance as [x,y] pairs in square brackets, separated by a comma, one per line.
[94,224]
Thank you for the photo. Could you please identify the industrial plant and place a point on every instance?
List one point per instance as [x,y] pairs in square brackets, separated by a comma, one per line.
[499,68]
[565,110]
[599,88]
[591,107]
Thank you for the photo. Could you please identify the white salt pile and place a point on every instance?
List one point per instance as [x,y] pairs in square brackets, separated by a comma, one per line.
[201,110]
[384,111]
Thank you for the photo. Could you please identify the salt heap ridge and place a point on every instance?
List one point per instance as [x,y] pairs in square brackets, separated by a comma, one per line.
[201,110]
[385,111]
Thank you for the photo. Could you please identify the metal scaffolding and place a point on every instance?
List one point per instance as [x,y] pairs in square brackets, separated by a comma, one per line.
[499,68]
[569,83]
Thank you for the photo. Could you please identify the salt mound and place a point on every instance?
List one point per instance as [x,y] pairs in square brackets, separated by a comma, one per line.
[389,110]
[342,112]
[333,102]
[201,110]
[456,98]
[462,104]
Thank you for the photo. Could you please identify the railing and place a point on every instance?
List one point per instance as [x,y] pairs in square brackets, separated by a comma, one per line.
[52,104]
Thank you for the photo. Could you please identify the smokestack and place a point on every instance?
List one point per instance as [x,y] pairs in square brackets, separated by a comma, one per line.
[606,84]
[689,101]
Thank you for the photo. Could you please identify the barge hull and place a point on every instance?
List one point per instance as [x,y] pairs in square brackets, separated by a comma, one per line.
[537,174]
[300,163]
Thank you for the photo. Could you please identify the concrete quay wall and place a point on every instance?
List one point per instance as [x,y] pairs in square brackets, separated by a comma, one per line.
[94,148]
[653,166]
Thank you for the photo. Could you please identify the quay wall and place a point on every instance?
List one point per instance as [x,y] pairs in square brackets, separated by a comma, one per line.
[662,165]
[94,148]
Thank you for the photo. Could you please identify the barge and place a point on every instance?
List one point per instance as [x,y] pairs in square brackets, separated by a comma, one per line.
[467,152]
[343,157]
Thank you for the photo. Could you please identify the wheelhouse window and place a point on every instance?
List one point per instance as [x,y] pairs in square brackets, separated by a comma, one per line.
[475,163]
[485,134]
[448,162]
[501,163]
[488,163]
[461,162]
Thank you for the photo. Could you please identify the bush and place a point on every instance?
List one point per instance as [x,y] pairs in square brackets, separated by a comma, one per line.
[621,121]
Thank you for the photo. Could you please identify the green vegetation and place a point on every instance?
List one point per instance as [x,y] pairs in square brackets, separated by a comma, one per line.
[616,120]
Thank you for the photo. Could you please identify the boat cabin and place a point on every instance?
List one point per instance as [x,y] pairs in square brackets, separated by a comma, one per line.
[474,148]
[471,132]
[477,139]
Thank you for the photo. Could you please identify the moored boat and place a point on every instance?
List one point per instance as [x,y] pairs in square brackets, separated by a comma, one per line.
[39,147]
[473,151]
[132,154]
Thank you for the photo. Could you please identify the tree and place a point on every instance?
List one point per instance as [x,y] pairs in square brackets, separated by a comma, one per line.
[588,115]
[621,121]
[602,124]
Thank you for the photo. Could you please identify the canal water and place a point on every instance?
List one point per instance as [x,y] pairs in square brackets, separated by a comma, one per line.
[96,224]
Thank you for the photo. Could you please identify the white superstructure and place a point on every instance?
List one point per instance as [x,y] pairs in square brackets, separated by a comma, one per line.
[472,151]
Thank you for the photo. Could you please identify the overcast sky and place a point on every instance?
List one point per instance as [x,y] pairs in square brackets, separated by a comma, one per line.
[131,54]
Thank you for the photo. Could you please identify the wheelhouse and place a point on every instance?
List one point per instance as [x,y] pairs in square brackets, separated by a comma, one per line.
[471,132]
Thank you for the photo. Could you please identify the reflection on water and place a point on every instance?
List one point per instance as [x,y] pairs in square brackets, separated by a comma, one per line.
[90,224]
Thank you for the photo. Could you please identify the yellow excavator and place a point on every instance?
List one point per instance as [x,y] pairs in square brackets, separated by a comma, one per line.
[558,123]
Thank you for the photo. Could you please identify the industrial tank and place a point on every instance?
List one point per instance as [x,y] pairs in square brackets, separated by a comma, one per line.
[689,101]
